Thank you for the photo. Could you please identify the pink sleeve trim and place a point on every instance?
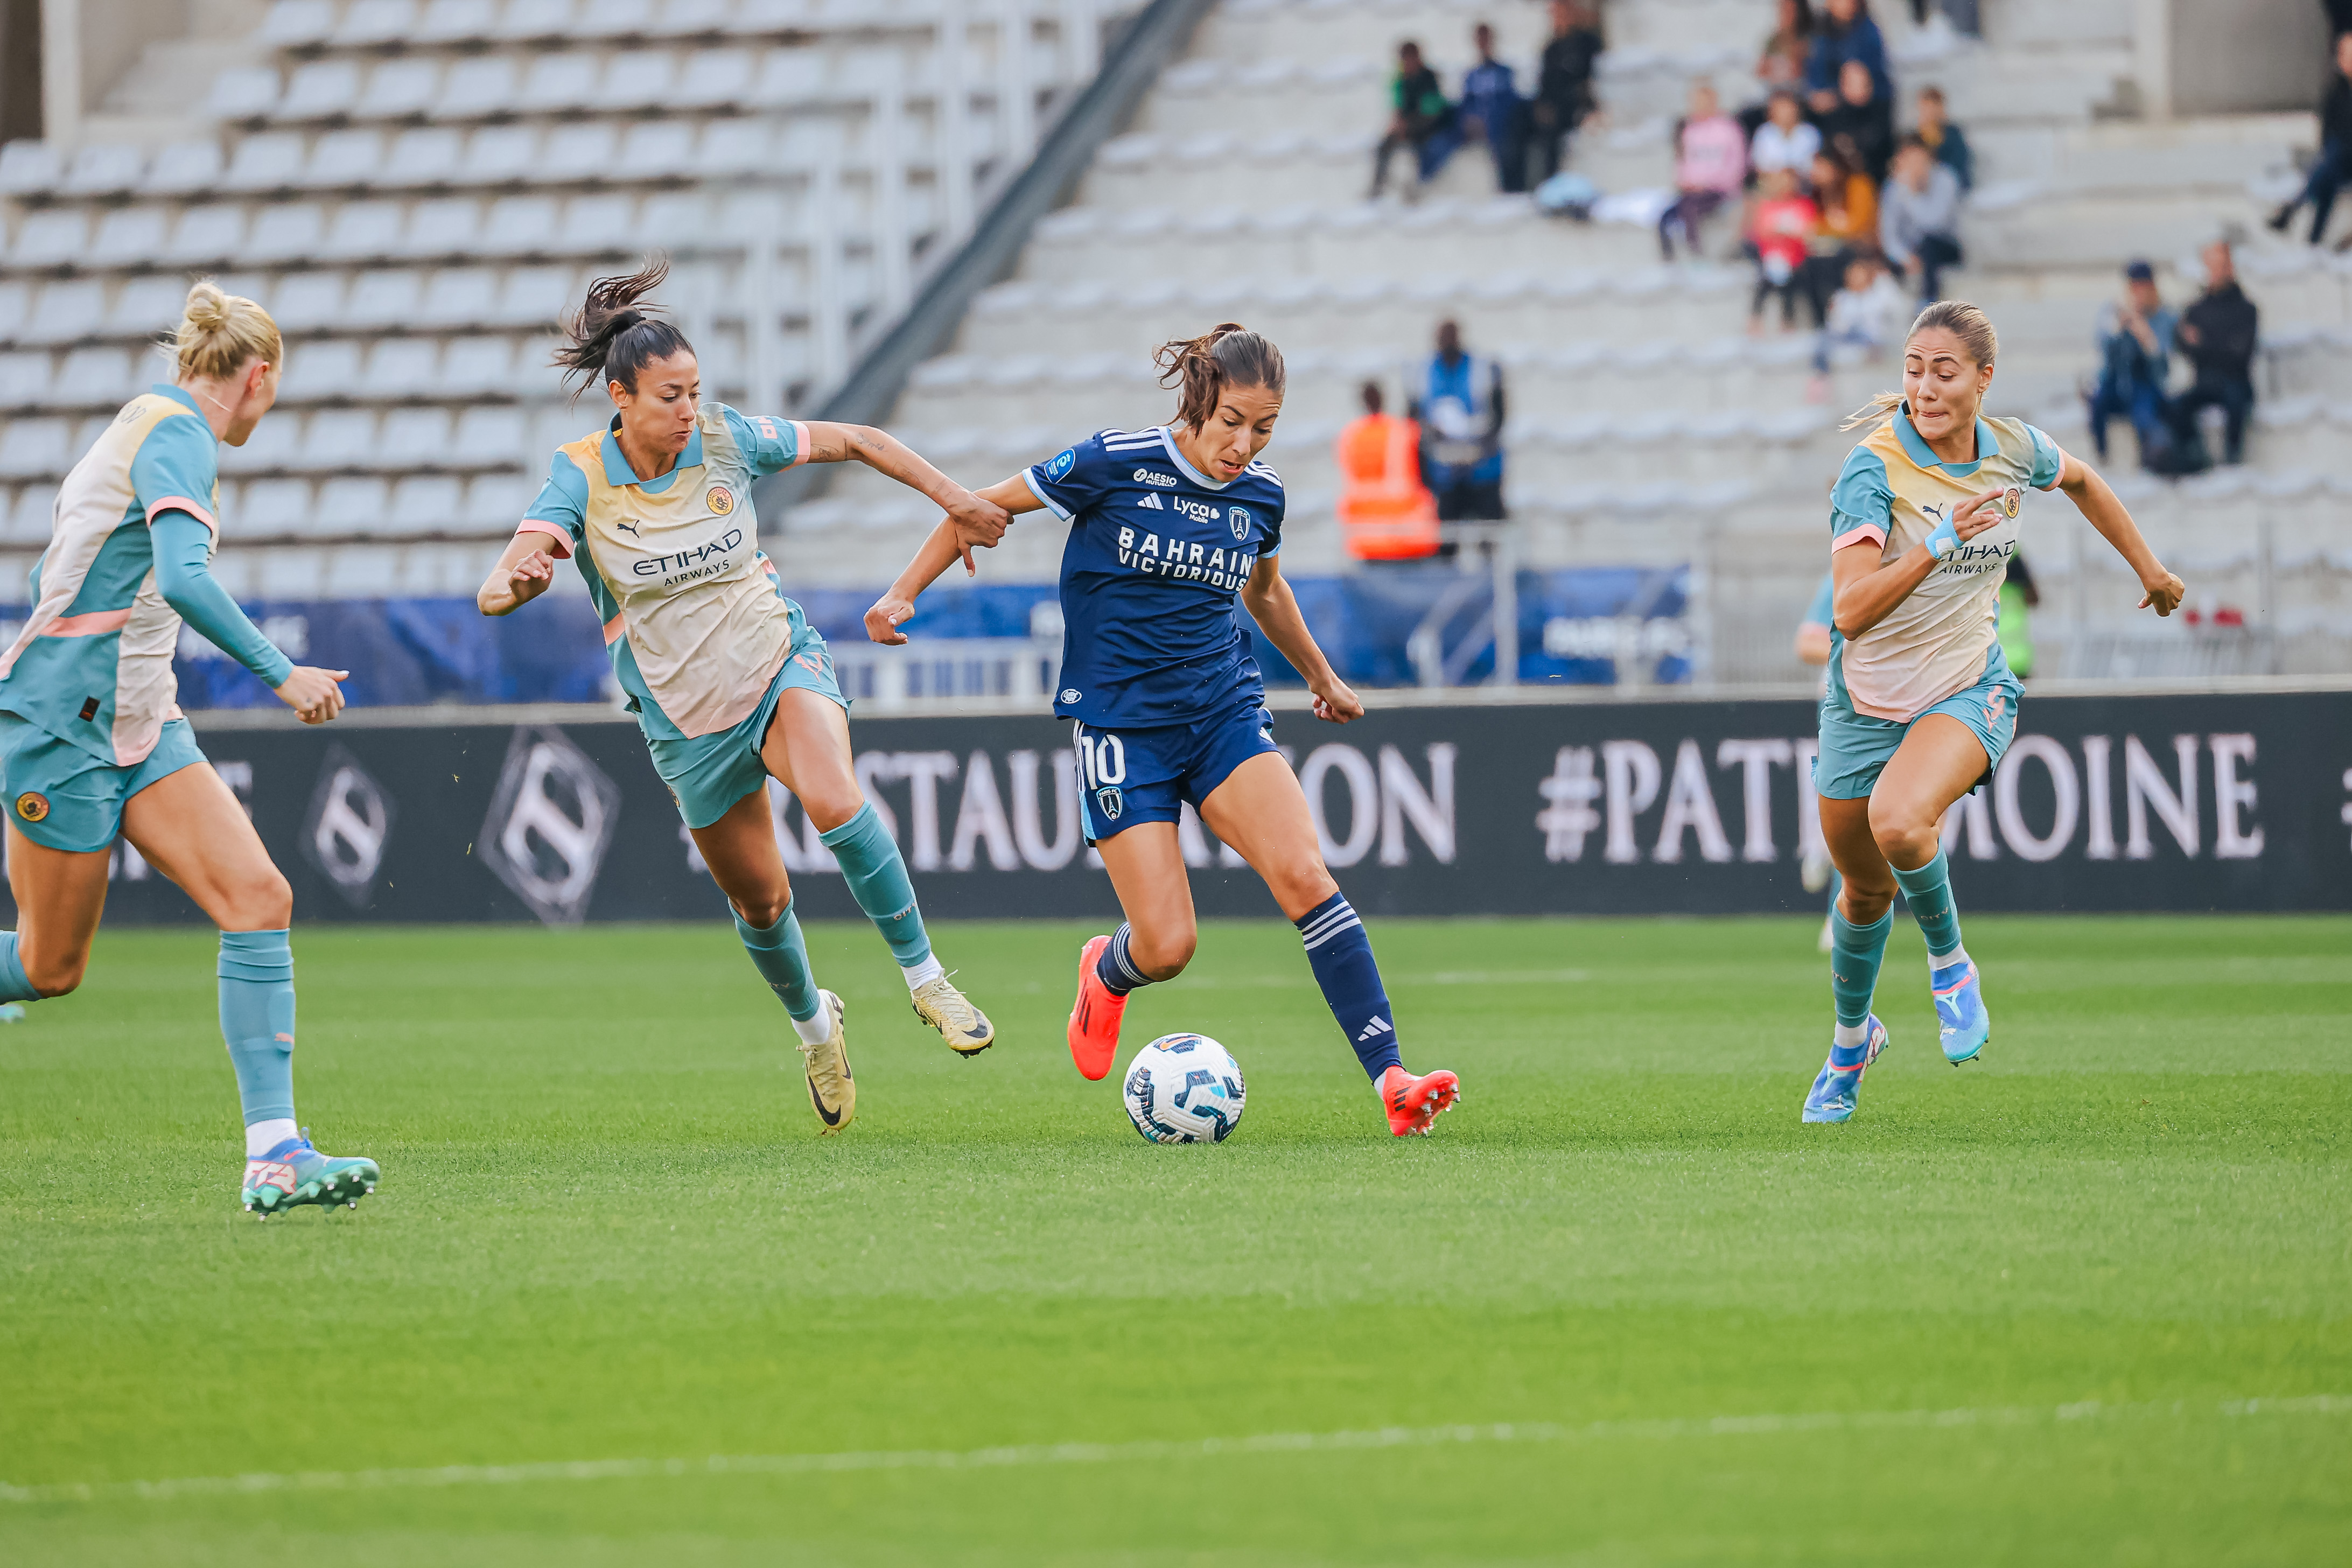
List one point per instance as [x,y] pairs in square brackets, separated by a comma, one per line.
[95,624]
[800,444]
[1868,532]
[555,531]
[182,503]
[614,629]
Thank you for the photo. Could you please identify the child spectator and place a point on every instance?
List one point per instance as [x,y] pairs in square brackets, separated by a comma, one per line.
[1421,120]
[1848,226]
[2135,335]
[1862,126]
[1784,141]
[1919,219]
[1943,138]
[1868,313]
[1710,167]
[1491,108]
[1778,228]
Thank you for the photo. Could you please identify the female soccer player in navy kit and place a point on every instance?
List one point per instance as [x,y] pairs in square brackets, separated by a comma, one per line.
[730,683]
[94,743]
[1168,527]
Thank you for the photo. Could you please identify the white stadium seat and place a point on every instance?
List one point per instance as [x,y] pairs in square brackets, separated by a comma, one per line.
[353,503]
[736,146]
[32,517]
[384,298]
[473,365]
[127,235]
[100,375]
[424,504]
[714,78]
[584,151]
[15,296]
[614,19]
[371,22]
[460,297]
[489,438]
[64,311]
[475,88]
[535,19]
[429,155]
[51,238]
[147,306]
[321,89]
[363,231]
[285,231]
[556,82]
[27,168]
[636,78]
[183,168]
[344,158]
[24,378]
[104,169]
[209,236]
[267,508]
[316,371]
[497,501]
[592,224]
[656,150]
[499,154]
[35,447]
[518,226]
[265,163]
[275,442]
[290,24]
[678,214]
[685,18]
[244,92]
[402,367]
[415,439]
[788,77]
[307,301]
[339,439]
[398,88]
[457,21]
[445,226]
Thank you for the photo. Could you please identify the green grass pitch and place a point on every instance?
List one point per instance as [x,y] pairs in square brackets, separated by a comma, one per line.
[2010,1314]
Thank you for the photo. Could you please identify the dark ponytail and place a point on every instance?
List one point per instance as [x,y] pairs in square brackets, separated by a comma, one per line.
[1230,354]
[612,336]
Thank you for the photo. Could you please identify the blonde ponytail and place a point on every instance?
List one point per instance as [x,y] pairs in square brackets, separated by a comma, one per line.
[219,333]
[1957,317]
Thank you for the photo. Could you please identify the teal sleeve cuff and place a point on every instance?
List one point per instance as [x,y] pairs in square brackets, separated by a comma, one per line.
[184,576]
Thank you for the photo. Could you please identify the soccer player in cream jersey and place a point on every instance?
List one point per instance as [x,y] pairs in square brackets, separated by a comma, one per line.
[729,684]
[1169,528]
[92,742]
[1921,703]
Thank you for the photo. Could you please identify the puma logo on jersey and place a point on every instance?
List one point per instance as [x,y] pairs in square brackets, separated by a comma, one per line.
[1151,500]
[628,525]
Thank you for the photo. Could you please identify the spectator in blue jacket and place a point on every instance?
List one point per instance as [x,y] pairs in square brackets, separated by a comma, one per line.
[1491,107]
[2135,338]
[1459,402]
[1845,32]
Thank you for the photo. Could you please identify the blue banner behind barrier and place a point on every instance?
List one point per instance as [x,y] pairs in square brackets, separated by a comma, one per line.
[1574,625]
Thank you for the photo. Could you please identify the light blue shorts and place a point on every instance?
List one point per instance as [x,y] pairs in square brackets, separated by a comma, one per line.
[707,774]
[61,797]
[1854,747]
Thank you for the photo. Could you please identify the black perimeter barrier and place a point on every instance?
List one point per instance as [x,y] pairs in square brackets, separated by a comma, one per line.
[2197,802]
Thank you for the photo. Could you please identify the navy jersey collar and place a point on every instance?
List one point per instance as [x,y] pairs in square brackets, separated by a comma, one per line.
[1168,439]
[1915,448]
[617,471]
[178,395]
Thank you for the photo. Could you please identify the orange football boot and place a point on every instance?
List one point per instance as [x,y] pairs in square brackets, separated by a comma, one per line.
[1094,1017]
[1415,1102]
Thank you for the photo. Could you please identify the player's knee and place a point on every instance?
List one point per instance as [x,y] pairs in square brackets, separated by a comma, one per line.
[762,913]
[1162,956]
[1904,841]
[261,900]
[1864,906]
[1301,884]
[830,808]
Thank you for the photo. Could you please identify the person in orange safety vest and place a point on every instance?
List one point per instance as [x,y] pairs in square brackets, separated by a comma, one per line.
[1386,513]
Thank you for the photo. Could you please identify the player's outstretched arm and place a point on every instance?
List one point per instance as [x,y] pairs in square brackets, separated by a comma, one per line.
[978,519]
[1867,592]
[1275,608]
[522,575]
[2162,591]
[182,553]
[946,544]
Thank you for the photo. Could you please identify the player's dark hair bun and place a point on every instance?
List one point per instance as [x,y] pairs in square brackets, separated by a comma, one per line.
[1228,355]
[614,335]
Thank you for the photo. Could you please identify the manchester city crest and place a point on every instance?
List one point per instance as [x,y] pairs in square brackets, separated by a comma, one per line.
[1238,519]
[720,500]
[2011,500]
[1110,802]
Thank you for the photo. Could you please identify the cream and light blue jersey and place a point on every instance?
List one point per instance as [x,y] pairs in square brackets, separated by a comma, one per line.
[93,664]
[694,620]
[1893,492]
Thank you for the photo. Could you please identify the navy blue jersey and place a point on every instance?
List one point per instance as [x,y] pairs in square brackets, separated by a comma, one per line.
[1157,553]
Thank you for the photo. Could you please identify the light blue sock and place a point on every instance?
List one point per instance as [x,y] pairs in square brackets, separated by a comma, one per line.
[877,879]
[780,956]
[257,1017]
[1854,955]
[1928,890]
[14,986]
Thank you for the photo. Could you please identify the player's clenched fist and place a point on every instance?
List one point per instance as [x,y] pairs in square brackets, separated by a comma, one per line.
[518,584]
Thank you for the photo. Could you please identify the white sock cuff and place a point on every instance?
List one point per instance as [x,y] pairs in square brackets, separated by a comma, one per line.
[815,1029]
[261,1137]
[1946,960]
[921,974]
[1851,1035]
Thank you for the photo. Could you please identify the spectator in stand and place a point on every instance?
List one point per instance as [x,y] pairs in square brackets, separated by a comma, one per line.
[1868,313]
[1943,138]
[1778,228]
[2217,334]
[1421,120]
[2331,170]
[1845,32]
[1781,65]
[1564,86]
[2012,617]
[1386,513]
[1862,126]
[2135,338]
[1491,108]
[1919,219]
[1710,168]
[1461,409]
[1848,226]
[1785,140]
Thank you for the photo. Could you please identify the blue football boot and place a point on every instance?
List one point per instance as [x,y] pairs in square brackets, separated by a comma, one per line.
[1960,1010]
[1839,1085]
[294,1173]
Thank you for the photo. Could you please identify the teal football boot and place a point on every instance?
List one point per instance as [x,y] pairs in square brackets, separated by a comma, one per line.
[1839,1087]
[294,1173]
[1960,1010]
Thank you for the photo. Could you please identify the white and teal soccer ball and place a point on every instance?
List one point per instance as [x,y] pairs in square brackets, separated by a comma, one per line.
[1184,1089]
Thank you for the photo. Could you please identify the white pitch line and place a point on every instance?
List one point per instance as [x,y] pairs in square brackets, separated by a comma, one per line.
[1117,1453]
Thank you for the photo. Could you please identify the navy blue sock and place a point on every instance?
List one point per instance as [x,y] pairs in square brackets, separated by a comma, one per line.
[1115,968]
[1342,956]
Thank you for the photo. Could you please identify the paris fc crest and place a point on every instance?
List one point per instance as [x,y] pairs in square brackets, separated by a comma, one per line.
[1239,518]
[1110,802]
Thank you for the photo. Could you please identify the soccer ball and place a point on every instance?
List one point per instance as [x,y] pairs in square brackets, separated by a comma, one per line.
[1184,1089]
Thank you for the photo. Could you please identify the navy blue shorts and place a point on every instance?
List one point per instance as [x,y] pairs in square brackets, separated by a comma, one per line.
[1147,774]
